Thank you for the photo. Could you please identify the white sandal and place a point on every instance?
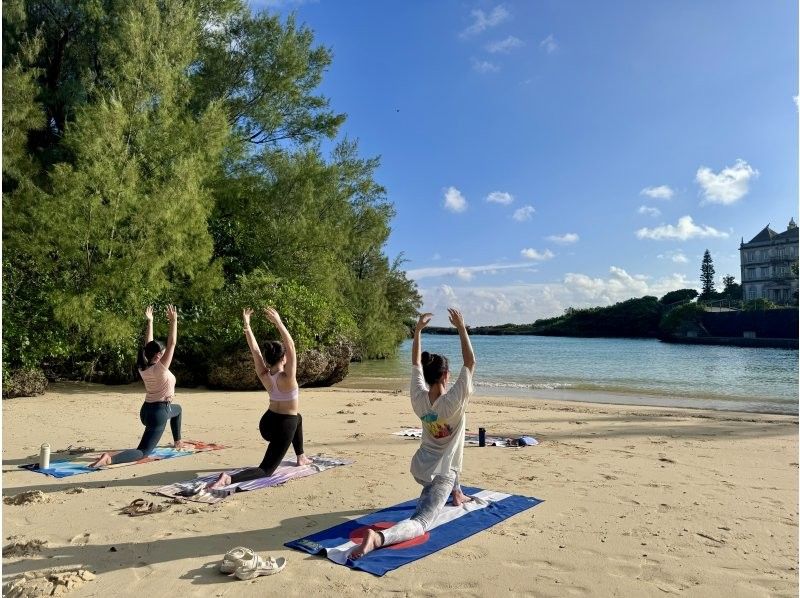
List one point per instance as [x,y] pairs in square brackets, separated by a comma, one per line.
[235,558]
[260,566]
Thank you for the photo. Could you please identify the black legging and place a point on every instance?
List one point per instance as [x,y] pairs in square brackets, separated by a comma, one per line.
[280,431]
[154,416]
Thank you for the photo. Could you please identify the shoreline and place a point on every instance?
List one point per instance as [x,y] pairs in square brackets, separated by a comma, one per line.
[588,396]
[638,500]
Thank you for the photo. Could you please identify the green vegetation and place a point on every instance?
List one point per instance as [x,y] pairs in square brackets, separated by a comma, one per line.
[707,276]
[171,152]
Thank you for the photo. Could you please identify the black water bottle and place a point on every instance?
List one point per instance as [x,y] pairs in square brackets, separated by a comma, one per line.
[481,436]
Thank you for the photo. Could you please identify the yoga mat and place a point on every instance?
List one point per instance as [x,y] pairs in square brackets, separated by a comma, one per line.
[64,469]
[286,471]
[470,438]
[452,525]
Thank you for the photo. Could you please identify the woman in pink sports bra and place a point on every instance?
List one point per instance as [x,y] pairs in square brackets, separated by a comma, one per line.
[158,408]
[282,425]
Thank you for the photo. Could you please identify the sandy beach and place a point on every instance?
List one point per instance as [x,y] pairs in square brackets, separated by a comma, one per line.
[639,501]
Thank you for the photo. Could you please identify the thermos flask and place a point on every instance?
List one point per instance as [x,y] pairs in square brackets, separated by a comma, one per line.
[44,456]
[481,436]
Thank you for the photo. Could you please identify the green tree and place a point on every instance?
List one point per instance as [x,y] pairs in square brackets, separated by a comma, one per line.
[707,276]
[681,295]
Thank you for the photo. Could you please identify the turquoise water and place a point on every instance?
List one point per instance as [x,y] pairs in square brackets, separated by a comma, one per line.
[641,372]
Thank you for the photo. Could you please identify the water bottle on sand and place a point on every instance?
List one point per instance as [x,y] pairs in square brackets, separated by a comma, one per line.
[44,456]
[481,436]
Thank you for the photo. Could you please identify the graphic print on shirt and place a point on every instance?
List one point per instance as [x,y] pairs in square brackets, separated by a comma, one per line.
[437,429]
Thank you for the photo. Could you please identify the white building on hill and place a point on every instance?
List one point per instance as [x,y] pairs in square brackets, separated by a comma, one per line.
[769,265]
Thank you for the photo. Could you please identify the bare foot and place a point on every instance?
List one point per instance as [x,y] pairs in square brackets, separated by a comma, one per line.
[370,542]
[303,460]
[105,459]
[223,480]
[459,498]
[182,444]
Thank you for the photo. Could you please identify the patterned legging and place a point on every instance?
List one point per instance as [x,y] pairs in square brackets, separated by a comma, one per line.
[431,501]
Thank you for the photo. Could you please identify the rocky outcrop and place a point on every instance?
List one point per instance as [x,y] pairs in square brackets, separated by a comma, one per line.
[24,383]
[315,367]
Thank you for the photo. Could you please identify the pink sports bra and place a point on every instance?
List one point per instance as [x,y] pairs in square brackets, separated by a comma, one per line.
[276,394]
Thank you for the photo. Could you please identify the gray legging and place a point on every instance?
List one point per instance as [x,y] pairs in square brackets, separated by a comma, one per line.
[154,416]
[433,498]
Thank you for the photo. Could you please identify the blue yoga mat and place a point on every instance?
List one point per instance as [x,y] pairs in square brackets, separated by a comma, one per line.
[451,526]
[65,469]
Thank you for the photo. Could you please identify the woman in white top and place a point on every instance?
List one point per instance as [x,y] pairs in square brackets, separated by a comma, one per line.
[153,363]
[437,463]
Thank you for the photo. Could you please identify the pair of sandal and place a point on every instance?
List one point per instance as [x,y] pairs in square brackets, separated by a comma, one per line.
[141,507]
[244,563]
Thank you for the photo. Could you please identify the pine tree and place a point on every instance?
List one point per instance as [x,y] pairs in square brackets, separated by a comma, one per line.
[707,276]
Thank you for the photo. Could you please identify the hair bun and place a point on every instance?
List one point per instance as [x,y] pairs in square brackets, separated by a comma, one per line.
[426,358]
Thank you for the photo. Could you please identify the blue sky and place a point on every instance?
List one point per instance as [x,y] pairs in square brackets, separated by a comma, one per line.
[552,153]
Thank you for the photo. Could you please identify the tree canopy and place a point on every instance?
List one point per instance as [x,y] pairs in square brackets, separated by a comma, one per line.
[172,152]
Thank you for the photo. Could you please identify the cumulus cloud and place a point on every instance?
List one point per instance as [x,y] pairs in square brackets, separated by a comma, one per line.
[500,197]
[525,303]
[660,192]
[454,200]
[676,256]
[685,229]
[484,66]
[565,239]
[538,256]
[462,272]
[728,185]
[481,21]
[505,46]
[549,44]
[647,210]
[524,213]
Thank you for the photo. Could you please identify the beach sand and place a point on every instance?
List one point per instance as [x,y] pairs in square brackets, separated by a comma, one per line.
[638,501]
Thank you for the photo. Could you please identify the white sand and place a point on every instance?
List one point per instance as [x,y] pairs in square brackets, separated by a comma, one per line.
[638,501]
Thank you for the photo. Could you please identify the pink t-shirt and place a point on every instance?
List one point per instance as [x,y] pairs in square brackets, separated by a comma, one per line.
[159,383]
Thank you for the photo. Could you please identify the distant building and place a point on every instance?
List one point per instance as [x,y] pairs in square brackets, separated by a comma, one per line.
[769,265]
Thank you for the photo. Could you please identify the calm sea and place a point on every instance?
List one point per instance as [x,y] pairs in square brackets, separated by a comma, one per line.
[638,372]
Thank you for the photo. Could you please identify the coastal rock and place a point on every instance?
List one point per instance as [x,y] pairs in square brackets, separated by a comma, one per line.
[315,367]
[24,383]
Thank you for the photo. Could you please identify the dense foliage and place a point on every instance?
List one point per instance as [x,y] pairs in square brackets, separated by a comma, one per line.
[171,152]
[707,276]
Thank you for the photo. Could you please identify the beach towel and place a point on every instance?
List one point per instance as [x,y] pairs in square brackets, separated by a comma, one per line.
[452,525]
[195,490]
[471,438]
[64,469]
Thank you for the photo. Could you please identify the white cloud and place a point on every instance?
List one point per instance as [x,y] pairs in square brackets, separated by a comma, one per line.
[463,272]
[676,256]
[685,229]
[484,66]
[524,303]
[660,192]
[500,197]
[454,201]
[564,239]
[482,21]
[727,186]
[549,44]
[524,213]
[532,254]
[649,211]
[797,101]
[505,46]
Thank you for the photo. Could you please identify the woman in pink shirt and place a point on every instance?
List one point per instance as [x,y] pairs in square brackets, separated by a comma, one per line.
[153,363]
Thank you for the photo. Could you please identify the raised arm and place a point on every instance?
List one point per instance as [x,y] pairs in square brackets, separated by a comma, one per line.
[416,346]
[290,369]
[148,335]
[172,338]
[457,320]
[258,359]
